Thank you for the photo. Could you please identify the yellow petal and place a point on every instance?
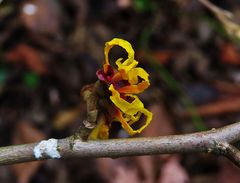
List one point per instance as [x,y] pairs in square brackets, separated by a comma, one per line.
[130,112]
[135,73]
[134,89]
[101,131]
[128,128]
[148,115]
[133,118]
[133,78]
[122,104]
[129,63]
[125,125]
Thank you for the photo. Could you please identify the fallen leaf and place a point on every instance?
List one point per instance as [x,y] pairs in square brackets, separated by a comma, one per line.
[162,56]
[124,3]
[226,87]
[106,167]
[66,118]
[161,123]
[173,172]
[25,133]
[123,175]
[229,54]
[146,168]
[221,106]
[28,56]
[41,16]
[229,172]
[117,170]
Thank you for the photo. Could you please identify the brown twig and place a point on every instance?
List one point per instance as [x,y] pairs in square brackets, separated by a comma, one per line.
[215,141]
[229,151]
[226,18]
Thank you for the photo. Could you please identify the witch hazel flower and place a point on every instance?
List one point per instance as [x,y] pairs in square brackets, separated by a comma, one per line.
[123,83]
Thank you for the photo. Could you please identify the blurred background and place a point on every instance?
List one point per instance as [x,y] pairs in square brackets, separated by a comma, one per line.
[50,49]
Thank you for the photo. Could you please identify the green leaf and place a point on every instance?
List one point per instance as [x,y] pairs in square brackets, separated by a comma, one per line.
[142,5]
[31,80]
[3,76]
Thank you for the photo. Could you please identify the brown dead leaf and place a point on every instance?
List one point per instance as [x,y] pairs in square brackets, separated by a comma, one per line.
[226,87]
[106,167]
[66,118]
[161,123]
[28,56]
[41,16]
[123,175]
[25,133]
[229,172]
[117,170]
[161,56]
[146,167]
[173,172]
[25,171]
[229,54]
[124,3]
[222,106]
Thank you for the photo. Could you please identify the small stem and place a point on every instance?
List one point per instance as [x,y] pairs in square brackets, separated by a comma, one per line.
[229,151]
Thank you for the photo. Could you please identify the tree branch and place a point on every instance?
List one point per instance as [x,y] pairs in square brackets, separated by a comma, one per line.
[215,141]
[229,151]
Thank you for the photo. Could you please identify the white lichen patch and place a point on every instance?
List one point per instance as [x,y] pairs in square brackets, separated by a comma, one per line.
[30,9]
[48,148]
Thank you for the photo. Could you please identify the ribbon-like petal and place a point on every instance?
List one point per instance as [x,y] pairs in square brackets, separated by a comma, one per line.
[124,81]
[131,110]
[125,45]
[101,131]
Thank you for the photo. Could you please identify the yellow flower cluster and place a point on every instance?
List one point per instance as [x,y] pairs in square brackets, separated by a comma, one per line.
[124,82]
